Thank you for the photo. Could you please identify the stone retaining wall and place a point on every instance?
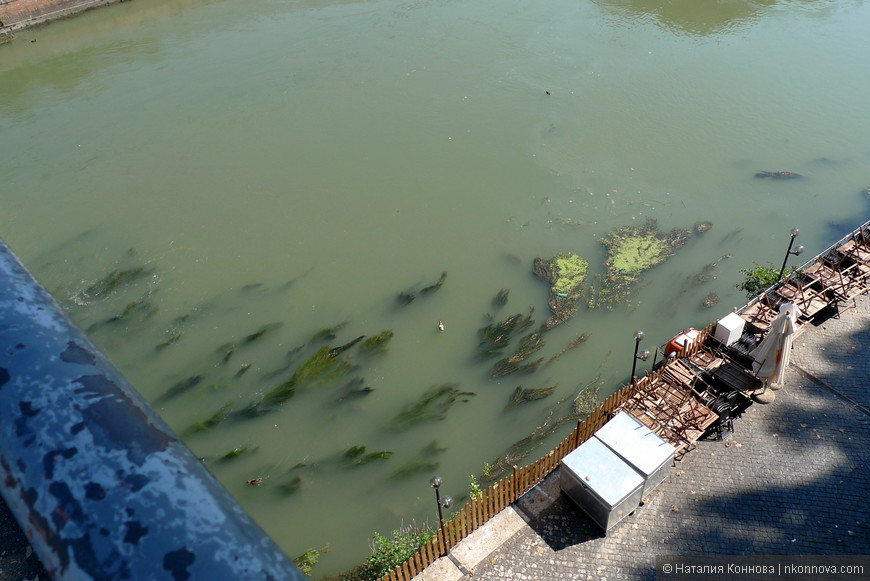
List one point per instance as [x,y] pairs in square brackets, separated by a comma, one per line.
[19,14]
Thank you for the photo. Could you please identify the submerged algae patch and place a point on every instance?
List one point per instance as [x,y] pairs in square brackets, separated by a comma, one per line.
[566,274]
[634,249]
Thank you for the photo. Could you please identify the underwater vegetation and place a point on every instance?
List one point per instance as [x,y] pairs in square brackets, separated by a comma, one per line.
[497,335]
[528,346]
[701,227]
[432,406]
[135,312]
[354,389]
[566,274]
[423,461]
[405,298]
[322,367]
[210,422]
[635,249]
[710,300]
[501,298]
[377,343]
[353,457]
[179,387]
[557,416]
[573,344]
[779,175]
[236,453]
[173,333]
[111,282]
[523,395]
[227,350]
[632,250]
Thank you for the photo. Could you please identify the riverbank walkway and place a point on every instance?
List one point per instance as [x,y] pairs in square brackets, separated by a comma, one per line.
[794,479]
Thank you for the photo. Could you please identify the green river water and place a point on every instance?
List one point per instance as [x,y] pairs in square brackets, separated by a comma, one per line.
[303,162]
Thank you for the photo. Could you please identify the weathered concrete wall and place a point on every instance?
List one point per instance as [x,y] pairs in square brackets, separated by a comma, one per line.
[18,14]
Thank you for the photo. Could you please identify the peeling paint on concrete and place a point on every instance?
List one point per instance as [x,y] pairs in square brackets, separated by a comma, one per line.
[99,483]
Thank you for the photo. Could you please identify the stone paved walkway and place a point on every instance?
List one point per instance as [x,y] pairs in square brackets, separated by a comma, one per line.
[794,479]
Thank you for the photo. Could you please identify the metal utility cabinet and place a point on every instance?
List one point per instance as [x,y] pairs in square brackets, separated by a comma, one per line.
[601,483]
[640,447]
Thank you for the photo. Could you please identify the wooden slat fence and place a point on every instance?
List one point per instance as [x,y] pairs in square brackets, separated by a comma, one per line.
[509,489]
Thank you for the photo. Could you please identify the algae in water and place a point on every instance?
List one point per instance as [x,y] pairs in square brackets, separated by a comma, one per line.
[566,274]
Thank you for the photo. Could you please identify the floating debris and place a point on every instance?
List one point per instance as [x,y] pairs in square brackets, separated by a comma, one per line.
[501,298]
[566,274]
[523,395]
[779,175]
[576,342]
[432,406]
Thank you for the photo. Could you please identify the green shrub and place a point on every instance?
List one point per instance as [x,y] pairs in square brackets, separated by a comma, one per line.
[758,278]
[391,552]
[474,488]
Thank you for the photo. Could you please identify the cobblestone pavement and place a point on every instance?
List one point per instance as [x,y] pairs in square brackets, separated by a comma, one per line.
[792,480]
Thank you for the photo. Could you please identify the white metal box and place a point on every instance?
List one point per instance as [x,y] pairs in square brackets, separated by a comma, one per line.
[640,447]
[601,483]
[729,329]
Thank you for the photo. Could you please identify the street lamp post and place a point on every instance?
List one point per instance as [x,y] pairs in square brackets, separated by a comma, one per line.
[643,356]
[797,251]
[445,502]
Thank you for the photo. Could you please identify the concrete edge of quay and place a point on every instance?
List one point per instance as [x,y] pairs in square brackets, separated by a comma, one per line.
[17,15]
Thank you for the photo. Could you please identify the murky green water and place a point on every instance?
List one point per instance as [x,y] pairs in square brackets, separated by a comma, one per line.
[303,162]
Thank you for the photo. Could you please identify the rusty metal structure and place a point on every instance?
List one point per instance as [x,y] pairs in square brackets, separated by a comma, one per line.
[101,486]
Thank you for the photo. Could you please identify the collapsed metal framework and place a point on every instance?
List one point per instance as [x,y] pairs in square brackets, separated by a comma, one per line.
[101,486]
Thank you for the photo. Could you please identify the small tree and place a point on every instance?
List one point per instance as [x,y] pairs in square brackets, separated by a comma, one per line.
[758,278]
